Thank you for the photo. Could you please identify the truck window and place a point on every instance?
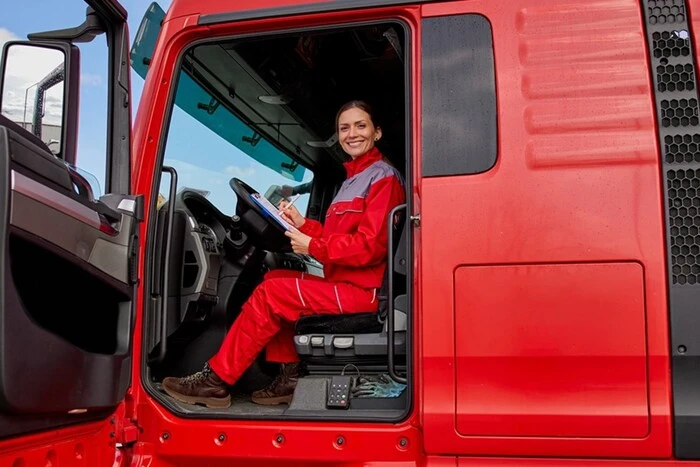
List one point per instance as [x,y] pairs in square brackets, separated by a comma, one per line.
[207,151]
[459,96]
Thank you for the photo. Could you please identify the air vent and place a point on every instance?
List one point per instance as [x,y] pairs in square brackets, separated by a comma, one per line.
[666,11]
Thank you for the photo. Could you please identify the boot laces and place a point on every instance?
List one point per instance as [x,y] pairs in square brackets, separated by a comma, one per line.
[276,383]
[197,378]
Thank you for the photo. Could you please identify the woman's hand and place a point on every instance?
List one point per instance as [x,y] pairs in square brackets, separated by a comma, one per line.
[300,241]
[291,214]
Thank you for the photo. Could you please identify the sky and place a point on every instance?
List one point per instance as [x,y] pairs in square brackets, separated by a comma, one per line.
[20,18]
[203,159]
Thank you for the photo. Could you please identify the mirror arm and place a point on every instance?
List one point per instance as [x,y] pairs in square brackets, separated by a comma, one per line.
[86,32]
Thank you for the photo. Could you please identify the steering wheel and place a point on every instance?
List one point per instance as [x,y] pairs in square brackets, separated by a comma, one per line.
[268,230]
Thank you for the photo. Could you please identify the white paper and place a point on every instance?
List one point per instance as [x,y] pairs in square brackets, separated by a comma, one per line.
[270,208]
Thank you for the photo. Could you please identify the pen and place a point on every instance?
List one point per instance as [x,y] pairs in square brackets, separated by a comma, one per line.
[289,205]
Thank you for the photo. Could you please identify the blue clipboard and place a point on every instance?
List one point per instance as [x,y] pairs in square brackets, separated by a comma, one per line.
[270,210]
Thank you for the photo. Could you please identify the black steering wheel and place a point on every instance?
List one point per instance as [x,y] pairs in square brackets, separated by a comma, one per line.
[269,232]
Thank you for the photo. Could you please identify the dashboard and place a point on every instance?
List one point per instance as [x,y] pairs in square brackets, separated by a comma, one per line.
[212,241]
[214,263]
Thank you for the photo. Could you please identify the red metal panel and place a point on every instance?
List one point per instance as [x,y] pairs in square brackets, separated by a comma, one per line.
[516,462]
[551,350]
[88,445]
[174,441]
[576,181]
[196,7]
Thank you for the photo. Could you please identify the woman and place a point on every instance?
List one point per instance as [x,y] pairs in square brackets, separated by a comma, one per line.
[352,245]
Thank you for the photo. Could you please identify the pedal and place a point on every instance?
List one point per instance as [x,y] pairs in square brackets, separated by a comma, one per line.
[339,392]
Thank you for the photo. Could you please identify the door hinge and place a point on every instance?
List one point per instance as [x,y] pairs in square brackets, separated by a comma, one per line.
[125,429]
[129,435]
[125,433]
[415,219]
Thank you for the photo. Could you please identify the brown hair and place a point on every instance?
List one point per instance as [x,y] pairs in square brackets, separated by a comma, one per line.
[362,105]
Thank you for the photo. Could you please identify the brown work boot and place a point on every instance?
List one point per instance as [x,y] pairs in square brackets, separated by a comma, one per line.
[281,390]
[203,387]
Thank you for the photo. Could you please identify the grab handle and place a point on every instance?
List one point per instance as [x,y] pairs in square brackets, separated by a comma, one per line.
[390,294]
[170,218]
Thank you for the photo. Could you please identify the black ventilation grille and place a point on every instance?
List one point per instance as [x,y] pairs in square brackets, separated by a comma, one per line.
[675,78]
[673,71]
[669,44]
[664,11]
[682,148]
[684,214]
[679,112]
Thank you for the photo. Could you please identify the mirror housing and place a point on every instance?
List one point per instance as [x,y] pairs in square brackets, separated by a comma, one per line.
[42,65]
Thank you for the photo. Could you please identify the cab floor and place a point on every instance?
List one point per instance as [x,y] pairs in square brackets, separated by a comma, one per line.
[241,407]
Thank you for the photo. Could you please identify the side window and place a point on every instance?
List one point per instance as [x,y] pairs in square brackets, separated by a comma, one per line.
[459,96]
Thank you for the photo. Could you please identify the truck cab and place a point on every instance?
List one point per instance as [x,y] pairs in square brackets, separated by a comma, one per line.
[538,303]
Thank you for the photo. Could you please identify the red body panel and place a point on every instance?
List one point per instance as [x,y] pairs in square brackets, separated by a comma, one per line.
[577,181]
[532,361]
[86,445]
[554,257]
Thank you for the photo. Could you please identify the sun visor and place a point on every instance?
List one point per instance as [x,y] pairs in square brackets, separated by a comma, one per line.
[145,40]
[198,103]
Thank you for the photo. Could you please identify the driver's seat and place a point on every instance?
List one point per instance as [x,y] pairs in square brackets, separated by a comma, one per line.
[359,338]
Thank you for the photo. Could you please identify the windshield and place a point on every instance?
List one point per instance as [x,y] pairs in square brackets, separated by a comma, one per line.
[209,150]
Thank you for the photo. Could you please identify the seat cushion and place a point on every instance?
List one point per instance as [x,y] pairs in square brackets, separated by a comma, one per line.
[353,323]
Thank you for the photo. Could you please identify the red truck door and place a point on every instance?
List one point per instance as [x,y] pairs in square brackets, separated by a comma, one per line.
[68,257]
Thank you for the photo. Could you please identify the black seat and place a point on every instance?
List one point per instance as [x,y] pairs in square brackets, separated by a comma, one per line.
[354,323]
[339,339]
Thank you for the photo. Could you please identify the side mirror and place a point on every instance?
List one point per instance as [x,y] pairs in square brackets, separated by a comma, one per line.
[39,87]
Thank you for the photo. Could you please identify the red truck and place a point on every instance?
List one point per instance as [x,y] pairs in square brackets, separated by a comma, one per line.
[542,300]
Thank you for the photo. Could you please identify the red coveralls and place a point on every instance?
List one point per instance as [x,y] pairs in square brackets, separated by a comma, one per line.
[352,246]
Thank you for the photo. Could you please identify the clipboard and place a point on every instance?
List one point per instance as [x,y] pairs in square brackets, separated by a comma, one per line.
[270,209]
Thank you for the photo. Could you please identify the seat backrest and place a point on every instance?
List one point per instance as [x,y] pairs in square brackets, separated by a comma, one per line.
[398,249]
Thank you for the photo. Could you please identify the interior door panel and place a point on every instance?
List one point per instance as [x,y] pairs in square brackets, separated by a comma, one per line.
[66,291]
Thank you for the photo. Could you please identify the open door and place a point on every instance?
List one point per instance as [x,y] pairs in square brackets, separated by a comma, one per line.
[67,257]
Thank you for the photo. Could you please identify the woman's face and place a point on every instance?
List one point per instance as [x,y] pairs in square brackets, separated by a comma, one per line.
[356,132]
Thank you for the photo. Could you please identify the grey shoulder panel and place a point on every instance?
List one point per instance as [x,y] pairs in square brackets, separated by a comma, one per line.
[359,185]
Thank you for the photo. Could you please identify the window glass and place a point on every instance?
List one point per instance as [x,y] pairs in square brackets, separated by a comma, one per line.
[34,95]
[459,96]
[207,150]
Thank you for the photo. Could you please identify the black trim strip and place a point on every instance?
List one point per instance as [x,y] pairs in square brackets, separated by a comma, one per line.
[296,10]
[675,95]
